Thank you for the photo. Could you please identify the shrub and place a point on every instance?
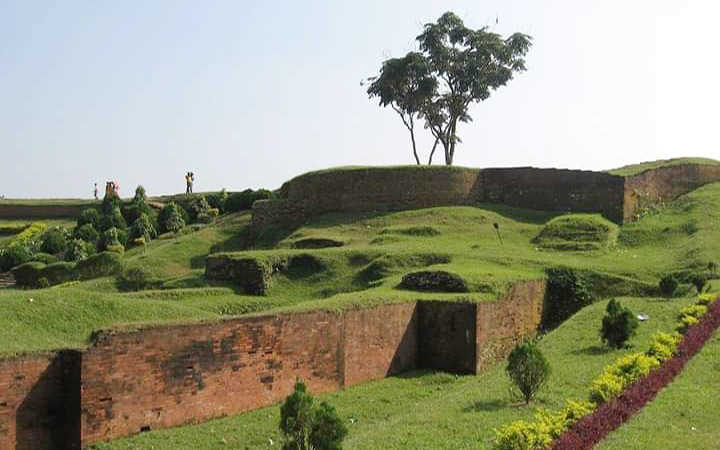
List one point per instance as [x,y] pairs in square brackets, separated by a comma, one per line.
[217,200]
[199,208]
[689,316]
[668,285]
[306,426]
[100,265]
[137,278]
[699,280]
[45,258]
[241,201]
[112,237]
[87,233]
[618,325]
[621,374]
[79,250]
[567,293]
[43,283]
[59,272]
[15,255]
[137,206]
[143,228]
[528,369]
[54,240]
[434,280]
[27,275]
[171,218]
[90,216]
[30,236]
[110,203]
[116,249]
[113,219]
[663,345]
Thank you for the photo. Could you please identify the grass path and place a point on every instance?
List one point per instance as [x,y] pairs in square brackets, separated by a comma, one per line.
[426,410]
[684,413]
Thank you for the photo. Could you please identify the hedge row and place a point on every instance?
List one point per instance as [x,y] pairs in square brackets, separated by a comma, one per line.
[37,274]
[618,383]
[592,428]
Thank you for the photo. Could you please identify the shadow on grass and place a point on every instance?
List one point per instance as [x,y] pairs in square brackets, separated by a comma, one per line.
[486,405]
[593,350]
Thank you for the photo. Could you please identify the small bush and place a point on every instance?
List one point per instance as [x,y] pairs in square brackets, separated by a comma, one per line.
[668,285]
[45,258]
[621,374]
[567,293]
[90,216]
[55,240]
[79,250]
[28,274]
[435,281]
[137,279]
[16,254]
[663,345]
[143,228]
[171,218]
[528,369]
[689,316]
[100,265]
[87,233]
[109,238]
[59,272]
[306,426]
[217,200]
[113,219]
[618,325]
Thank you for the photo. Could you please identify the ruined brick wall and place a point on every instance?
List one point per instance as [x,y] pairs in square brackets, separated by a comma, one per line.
[40,211]
[665,184]
[40,402]
[398,188]
[379,342]
[501,324]
[168,376]
[447,336]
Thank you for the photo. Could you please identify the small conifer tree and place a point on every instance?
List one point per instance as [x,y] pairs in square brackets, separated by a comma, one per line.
[528,369]
[618,325]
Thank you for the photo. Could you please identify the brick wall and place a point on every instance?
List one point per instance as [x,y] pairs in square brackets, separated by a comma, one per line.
[664,184]
[447,336]
[398,188]
[40,401]
[40,211]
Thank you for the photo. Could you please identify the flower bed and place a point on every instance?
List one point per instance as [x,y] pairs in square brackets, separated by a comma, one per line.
[589,430]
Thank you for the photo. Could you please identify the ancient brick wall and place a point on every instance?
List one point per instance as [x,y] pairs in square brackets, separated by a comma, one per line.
[40,401]
[665,184]
[500,325]
[447,336]
[40,211]
[398,188]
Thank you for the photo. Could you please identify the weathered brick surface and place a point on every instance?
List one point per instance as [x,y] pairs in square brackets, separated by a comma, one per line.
[379,342]
[40,211]
[447,336]
[500,325]
[40,401]
[665,184]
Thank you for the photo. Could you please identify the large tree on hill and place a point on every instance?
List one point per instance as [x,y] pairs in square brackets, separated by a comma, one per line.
[455,67]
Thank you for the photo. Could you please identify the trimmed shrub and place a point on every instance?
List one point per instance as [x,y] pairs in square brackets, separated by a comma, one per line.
[109,238]
[27,275]
[668,284]
[435,281]
[137,278]
[114,219]
[143,228]
[217,200]
[618,325]
[45,258]
[110,203]
[306,426]
[100,265]
[59,272]
[16,254]
[171,218]
[116,249]
[90,216]
[137,206]
[79,250]
[567,293]
[689,316]
[621,374]
[528,369]
[199,209]
[663,345]
[54,240]
[87,233]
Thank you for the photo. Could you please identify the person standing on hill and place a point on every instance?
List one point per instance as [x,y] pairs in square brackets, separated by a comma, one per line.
[96,191]
[192,180]
[188,183]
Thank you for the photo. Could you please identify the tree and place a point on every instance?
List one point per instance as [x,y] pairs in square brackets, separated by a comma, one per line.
[618,325]
[456,66]
[528,369]
[308,426]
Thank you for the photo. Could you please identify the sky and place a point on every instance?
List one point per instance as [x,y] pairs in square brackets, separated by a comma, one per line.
[248,94]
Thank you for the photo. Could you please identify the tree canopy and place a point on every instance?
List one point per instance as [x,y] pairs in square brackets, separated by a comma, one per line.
[454,67]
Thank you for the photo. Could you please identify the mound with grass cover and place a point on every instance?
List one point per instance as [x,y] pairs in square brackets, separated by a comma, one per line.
[577,232]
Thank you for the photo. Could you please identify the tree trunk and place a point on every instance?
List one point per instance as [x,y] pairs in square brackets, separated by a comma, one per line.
[432,152]
[412,138]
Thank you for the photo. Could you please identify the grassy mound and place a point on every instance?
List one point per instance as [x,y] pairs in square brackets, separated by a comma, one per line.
[578,232]
[413,231]
[317,243]
[434,281]
[636,169]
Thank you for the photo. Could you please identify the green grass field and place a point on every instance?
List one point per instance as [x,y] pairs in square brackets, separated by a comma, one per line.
[635,169]
[426,410]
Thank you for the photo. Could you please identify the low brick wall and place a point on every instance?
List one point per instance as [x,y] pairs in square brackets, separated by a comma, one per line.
[41,211]
[40,401]
[128,381]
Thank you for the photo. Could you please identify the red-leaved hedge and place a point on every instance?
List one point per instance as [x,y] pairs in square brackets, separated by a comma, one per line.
[589,430]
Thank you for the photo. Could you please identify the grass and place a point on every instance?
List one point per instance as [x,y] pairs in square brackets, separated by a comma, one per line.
[684,412]
[577,232]
[368,268]
[435,410]
[636,169]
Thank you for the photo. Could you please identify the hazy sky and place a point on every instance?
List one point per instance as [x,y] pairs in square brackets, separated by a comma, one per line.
[250,94]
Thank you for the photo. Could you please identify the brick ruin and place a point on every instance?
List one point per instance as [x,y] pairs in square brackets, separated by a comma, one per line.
[130,381]
[397,188]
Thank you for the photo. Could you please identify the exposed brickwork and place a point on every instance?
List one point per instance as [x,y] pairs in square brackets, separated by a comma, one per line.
[40,402]
[664,184]
[40,211]
[163,376]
